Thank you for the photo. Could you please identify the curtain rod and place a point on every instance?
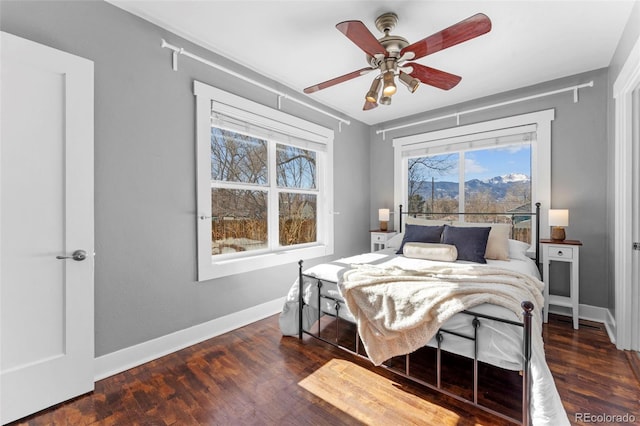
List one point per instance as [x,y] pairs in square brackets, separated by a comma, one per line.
[458,114]
[178,50]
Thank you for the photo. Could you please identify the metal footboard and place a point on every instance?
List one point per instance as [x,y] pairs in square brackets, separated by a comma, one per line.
[406,371]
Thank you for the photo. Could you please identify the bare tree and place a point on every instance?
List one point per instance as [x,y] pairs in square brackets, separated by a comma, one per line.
[240,216]
[422,170]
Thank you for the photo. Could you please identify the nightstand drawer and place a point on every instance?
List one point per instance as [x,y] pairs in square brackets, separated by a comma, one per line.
[378,238]
[560,252]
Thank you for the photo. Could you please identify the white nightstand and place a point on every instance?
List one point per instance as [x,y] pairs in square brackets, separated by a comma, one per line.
[379,239]
[562,251]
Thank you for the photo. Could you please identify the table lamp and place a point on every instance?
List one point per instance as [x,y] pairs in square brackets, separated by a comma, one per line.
[383,217]
[558,220]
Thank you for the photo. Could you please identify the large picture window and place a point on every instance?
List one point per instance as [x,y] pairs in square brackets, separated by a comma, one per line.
[500,168]
[494,180]
[264,186]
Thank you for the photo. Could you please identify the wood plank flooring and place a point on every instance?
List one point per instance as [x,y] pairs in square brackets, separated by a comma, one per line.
[254,376]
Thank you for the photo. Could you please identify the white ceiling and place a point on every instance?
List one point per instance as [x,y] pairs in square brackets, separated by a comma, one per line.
[296,43]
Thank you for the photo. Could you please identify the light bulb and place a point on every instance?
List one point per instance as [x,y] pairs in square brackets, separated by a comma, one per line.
[389,87]
[411,82]
[372,94]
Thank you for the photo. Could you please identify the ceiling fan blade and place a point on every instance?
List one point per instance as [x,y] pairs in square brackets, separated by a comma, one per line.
[467,29]
[358,33]
[433,77]
[369,105]
[337,80]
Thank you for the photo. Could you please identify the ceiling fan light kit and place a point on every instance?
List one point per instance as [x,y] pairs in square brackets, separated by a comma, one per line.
[389,85]
[412,83]
[389,55]
[385,100]
[374,91]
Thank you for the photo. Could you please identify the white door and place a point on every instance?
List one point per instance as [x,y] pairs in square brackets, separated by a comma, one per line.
[627,202]
[635,218]
[46,212]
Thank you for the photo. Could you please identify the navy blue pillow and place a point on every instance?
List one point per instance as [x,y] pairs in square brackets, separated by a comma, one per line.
[471,242]
[420,234]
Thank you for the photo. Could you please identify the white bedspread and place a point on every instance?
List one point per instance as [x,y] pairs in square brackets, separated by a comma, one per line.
[500,346]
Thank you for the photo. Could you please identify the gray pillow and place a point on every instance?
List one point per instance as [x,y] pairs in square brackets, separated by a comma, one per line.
[420,234]
[470,242]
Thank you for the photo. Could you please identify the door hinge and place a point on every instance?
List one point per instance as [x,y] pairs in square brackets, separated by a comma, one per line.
[636,246]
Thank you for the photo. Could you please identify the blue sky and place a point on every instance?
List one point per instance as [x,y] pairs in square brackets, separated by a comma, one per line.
[488,163]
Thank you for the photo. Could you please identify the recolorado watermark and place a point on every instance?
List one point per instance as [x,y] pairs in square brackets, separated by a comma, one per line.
[604,418]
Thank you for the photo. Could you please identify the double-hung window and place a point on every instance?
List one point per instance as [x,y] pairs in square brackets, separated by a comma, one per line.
[264,186]
[500,168]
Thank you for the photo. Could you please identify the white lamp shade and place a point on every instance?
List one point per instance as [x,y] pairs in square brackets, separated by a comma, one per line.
[558,217]
[383,215]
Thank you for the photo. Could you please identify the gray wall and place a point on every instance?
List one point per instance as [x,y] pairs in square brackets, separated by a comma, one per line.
[578,169]
[629,37]
[145,172]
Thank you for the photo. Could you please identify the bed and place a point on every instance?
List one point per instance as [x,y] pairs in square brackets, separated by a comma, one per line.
[431,292]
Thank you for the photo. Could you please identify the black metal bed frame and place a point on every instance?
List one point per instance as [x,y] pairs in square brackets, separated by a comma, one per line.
[527,307]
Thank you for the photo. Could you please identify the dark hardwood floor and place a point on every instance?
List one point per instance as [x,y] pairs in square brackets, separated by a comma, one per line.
[254,376]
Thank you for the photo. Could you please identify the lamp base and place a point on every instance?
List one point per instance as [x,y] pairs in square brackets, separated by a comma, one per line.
[557,233]
[383,225]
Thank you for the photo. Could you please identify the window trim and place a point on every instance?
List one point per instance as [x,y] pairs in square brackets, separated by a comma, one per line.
[208,97]
[540,152]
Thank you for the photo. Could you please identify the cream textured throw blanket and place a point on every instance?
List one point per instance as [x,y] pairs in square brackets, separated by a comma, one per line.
[400,310]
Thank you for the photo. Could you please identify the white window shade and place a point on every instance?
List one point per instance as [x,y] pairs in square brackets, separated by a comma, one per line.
[501,137]
[266,130]
[261,116]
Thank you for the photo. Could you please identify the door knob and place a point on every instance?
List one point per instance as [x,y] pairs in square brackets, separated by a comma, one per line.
[77,255]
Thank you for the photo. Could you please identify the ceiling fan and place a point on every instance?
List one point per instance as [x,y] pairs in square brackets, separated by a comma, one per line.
[390,54]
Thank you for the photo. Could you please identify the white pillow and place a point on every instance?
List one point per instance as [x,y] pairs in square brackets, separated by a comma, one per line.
[497,244]
[431,251]
[518,249]
[395,241]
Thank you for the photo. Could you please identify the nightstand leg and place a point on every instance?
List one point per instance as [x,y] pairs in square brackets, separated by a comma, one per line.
[545,278]
[575,292]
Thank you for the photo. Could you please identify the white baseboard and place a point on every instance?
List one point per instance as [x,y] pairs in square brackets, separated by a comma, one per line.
[610,325]
[591,313]
[585,312]
[124,359]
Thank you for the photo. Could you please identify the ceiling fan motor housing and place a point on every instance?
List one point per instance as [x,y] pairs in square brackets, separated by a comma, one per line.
[393,44]
[386,22]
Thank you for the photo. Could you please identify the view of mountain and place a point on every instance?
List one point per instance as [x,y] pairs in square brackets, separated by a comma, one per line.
[511,177]
[513,184]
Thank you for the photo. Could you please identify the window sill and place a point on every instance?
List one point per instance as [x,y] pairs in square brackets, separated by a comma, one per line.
[227,267]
